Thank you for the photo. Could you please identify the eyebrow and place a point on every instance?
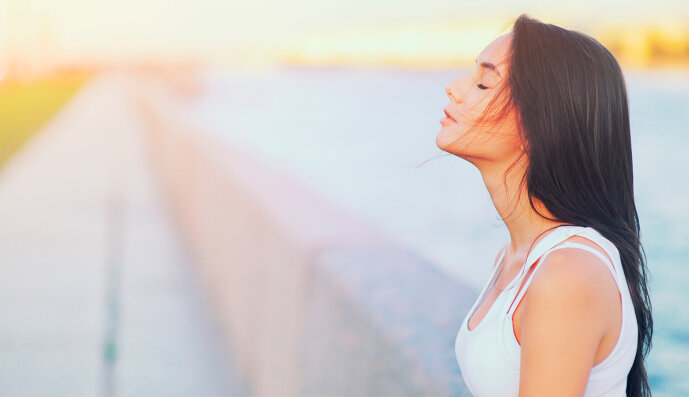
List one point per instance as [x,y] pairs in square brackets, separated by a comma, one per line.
[489,66]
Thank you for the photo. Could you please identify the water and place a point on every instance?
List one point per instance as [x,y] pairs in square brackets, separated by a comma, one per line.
[359,138]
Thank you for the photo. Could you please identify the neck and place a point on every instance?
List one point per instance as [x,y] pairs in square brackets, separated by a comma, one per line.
[512,203]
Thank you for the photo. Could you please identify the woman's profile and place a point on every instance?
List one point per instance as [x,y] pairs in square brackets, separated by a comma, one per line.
[544,117]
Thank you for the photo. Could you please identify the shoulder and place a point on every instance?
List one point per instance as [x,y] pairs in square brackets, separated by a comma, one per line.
[565,317]
[571,271]
[575,283]
[567,271]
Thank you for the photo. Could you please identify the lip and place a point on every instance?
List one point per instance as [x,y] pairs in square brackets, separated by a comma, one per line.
[449,116]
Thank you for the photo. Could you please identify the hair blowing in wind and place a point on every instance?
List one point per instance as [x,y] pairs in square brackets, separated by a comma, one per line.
[571,101]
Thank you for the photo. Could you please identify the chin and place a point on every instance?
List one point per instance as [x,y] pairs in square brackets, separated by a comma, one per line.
[446,138]
[451,147]
[442,143]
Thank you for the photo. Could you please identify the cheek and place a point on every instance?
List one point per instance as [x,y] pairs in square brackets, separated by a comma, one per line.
[504,141]
[475,104]
[474,97]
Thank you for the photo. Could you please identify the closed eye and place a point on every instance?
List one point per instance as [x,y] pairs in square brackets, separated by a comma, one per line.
[481,86]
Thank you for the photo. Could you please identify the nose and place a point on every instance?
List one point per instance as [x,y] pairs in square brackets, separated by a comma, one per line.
[451,93]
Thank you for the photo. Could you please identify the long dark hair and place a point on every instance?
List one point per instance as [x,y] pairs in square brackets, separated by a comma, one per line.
[570,102]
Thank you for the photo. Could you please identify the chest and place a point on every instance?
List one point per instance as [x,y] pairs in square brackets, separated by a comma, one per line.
[503,281]
[500,285]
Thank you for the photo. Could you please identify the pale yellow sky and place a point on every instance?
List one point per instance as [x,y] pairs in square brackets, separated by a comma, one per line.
[73,30]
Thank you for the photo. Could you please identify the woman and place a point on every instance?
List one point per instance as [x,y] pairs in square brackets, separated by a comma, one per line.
[544,118]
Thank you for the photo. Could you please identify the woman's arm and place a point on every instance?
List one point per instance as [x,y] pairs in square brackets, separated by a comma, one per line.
[562,323]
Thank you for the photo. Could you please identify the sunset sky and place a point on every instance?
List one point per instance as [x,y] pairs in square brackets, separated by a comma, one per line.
[99,30]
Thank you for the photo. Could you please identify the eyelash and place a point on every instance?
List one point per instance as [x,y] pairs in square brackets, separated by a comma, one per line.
[481,86]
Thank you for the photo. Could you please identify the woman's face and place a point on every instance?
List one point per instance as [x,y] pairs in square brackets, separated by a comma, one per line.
[469,96]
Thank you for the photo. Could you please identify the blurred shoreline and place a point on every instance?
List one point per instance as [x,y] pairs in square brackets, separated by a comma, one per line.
[423,44]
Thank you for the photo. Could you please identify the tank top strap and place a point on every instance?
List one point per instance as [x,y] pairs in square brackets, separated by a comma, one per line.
[568,244]
[604,258]
[555,236]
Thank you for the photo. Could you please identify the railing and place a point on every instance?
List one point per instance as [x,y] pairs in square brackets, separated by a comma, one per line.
[314,301]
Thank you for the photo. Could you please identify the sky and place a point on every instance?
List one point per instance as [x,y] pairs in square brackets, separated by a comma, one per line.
[137,29]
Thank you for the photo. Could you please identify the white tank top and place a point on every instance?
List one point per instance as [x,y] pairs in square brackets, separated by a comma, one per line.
[489,354]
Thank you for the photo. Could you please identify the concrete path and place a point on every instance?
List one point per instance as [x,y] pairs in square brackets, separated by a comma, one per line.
[97,296]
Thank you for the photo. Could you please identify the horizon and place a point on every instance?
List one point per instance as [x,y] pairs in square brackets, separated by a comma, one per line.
[45,34]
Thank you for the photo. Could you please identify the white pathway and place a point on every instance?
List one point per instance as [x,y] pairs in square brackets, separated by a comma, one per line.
[90,259]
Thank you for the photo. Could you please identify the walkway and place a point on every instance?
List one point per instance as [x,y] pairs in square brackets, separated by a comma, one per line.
[97,296]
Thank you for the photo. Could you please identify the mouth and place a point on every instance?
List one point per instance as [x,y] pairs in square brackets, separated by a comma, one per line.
[448,116]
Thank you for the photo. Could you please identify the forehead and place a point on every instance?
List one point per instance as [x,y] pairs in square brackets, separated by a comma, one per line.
[496,51]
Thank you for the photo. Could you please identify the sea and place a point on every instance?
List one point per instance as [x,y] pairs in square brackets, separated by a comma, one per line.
[365,139]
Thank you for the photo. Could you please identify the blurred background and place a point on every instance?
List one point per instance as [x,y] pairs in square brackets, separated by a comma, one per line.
[245,198]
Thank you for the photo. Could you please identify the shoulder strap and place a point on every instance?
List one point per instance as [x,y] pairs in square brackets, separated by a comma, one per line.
[604,258]
[567,244]
[552,238]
